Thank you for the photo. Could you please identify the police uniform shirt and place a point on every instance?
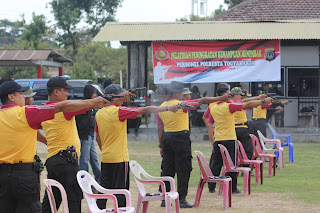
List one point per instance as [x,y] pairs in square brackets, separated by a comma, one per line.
[18,131]
[206,114]
[222,114]
[111,124]
[260,111]
[178,121]
[240,116]
[61,132]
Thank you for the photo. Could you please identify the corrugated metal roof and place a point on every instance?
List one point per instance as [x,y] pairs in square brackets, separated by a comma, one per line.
[178,31]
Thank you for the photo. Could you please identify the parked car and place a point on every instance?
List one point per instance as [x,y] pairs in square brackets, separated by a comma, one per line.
[75,93]
[33,83]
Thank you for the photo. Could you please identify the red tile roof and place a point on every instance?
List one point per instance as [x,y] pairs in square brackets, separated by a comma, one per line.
[267,10]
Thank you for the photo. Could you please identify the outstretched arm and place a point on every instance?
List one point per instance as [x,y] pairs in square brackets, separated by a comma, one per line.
[263,96]
[154,109]
[209,100]
[71,106]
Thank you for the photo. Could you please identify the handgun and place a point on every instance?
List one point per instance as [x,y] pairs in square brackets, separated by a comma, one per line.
[110,97]
[185,105]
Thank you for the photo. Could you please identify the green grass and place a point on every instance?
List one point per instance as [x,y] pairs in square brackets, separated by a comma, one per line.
[299,180]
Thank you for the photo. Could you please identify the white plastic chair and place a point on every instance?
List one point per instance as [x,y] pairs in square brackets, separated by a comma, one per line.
[49,183]
[277,149]
[86,181]
[144,197]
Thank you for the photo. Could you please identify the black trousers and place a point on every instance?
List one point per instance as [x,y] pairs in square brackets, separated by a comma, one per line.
[19,189]
[260,125]
[65,172]
[114,176]
[218,162]
[176,147]
[243,135]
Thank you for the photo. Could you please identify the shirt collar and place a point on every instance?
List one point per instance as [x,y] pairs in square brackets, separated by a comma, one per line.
[8,106]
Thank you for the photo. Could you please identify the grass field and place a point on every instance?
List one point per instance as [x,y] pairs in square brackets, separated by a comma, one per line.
[296,188]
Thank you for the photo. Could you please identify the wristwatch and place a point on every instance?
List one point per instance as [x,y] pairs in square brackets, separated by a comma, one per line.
[167,108]
[263,101]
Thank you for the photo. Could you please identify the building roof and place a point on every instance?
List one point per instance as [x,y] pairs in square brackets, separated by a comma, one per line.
[266,10]
[210,30]
[31,58]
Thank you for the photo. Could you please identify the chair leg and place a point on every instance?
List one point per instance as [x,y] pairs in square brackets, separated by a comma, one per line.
[145,207]
[249,182]
[177,205]
[139,202]
[245,183]
[274,165]
[270,167]
[168,204]
[199,193]
[230,192]
[290,146]
[257,174]
[261,171]
[225,194]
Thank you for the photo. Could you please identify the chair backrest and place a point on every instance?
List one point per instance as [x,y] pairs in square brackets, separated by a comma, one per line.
[205,170]
[262,139]
[241,153]
[256,145]
[139,174]
[48,184]
[227,161]
[273,131]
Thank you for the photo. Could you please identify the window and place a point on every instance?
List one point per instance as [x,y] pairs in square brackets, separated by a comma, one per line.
[303,82]
[39,84]
[24,83]
[42,94]
[276,88]
[202,8]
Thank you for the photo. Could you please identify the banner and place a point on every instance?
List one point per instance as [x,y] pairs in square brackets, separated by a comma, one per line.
[216,61]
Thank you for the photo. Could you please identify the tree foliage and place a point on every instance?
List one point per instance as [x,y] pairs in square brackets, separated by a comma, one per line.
[99,61]
[192,18]
[231,3]
[219,10]
[91,14]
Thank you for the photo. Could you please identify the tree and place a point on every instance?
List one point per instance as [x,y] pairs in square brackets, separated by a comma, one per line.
[35,31]
[99,61]
[231,3]
[192,18]
[70,14]
[219,10]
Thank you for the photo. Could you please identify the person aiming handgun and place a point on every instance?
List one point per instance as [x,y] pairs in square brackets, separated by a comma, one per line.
[111,133]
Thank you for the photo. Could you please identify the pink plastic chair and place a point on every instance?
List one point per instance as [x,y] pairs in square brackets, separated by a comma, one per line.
[243,160]
[86,182]
[143,197]
[49,183]
[278,148]
[206,176]
[258,153]
[228,166]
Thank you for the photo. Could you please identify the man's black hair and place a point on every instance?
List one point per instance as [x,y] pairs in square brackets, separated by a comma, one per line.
[222,88]
[4,100]
[51,89]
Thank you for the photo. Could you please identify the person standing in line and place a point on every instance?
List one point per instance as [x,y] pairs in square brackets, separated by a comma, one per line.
[28,99]
[85,125]
[174,139]
[19,170]
[111,134]
[64,146]
[222,114]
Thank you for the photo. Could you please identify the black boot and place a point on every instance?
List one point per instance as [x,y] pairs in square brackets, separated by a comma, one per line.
[184,203]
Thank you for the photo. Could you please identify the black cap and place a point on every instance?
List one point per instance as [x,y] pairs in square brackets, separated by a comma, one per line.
[58,82]
[10,87]
[114,89]
[176,87]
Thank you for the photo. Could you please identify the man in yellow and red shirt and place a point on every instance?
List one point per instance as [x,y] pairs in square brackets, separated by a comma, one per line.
[174,143]
[63,146]
[222,114]
[19,175]
[111,133]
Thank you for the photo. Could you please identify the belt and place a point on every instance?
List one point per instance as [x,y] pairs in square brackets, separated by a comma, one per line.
[177,133]
[242,124]
[17,166]
[256,119]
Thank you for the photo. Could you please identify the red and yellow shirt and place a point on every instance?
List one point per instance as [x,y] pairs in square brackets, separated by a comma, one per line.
[222,114]
[176,121]
[260,111]
[61,132]
[207,112]
[111,124]
[18,131]
[240,116]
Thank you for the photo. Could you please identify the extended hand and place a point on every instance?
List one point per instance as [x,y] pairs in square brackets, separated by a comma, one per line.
[225,97]
[263,96]
[279,108]
[127,95]
[99,102]
[285,102]
[174,108]
[268,100]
